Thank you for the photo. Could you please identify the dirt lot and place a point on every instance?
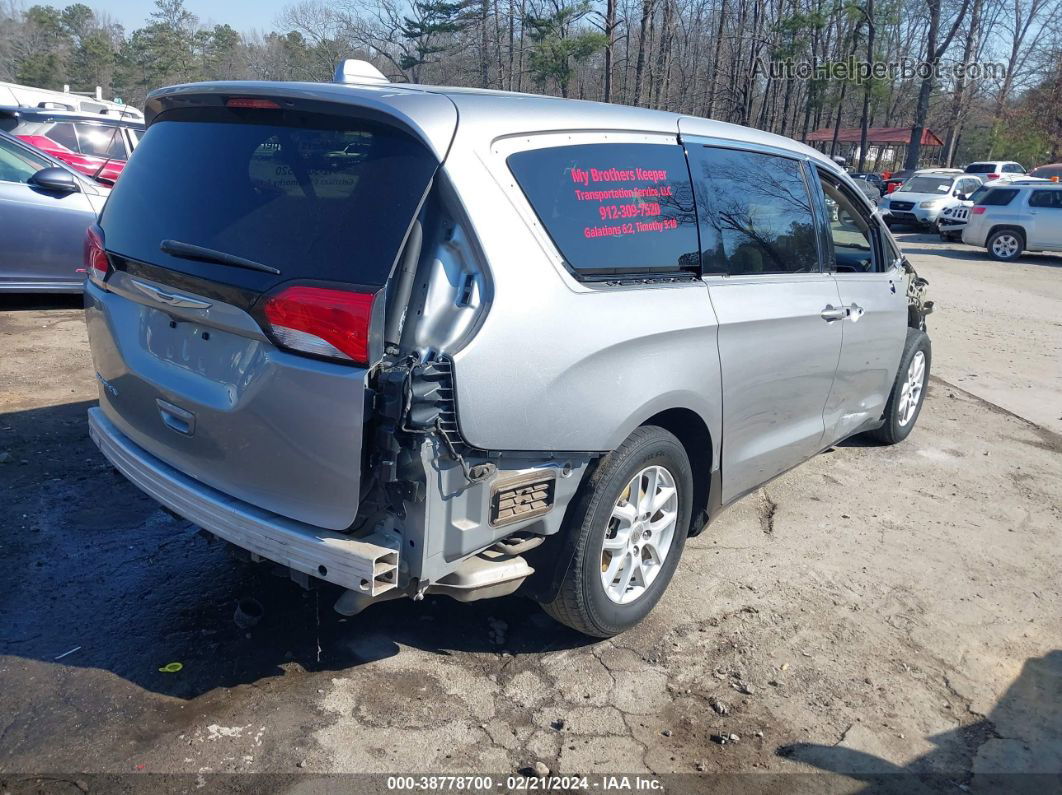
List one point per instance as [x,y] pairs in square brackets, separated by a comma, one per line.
[876,610]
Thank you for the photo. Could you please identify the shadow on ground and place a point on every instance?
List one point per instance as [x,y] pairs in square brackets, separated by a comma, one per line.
[1017,747]
[93,564]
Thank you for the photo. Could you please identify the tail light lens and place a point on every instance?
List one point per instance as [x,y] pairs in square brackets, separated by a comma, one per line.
[993,176]
[322,322]
[978,210]
[97,266]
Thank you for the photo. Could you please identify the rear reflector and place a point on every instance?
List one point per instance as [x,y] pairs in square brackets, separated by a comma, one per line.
[251,102]
[322,322]
[978,210]
[97,266]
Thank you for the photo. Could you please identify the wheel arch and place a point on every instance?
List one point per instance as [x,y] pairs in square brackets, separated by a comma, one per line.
[1005,227]
[551,561]
[692,432]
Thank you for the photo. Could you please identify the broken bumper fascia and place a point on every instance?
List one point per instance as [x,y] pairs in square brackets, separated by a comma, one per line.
[360,565]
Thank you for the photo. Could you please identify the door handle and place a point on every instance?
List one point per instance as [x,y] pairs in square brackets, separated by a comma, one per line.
[855,311]
[831,313]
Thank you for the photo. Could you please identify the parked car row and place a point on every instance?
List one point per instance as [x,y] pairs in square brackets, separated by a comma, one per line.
[1007,215]
[97,146]
[45,208]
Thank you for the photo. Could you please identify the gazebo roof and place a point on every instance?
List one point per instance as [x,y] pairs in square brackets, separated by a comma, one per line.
[875,135]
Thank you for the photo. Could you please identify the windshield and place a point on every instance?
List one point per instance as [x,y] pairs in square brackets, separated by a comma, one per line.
[309,195]
[927,185]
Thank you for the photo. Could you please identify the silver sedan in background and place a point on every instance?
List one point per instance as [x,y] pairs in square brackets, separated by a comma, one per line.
[45,208]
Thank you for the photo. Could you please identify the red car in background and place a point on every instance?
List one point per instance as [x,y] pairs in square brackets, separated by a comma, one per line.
[95,144]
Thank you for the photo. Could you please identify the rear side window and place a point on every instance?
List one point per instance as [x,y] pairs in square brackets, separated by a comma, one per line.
[63,134]
[100,140]
[613,208]
[1046,198]
[997,197]
[314,196]
[755,213]
[1013,168]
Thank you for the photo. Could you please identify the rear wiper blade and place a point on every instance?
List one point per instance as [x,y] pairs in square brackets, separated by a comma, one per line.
[176,248]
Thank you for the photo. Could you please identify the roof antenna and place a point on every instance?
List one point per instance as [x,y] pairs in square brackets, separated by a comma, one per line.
[354,71]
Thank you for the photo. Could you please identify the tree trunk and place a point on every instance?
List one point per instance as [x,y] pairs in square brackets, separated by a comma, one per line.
[933,56]
[662,54]
[643,32]
[512,43]
[840,98]
[958,103]
[864,121]
[610,32]
[484,44]
[710,87]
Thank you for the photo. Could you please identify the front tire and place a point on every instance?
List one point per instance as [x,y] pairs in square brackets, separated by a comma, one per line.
[909,390]
[628,527]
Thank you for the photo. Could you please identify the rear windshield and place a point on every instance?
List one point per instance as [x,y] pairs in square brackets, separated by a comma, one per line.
[314,196]
[997,197]
[981,168]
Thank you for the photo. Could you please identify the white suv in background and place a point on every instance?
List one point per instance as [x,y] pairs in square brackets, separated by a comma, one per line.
[920,200]
[1024,215]
[989,170]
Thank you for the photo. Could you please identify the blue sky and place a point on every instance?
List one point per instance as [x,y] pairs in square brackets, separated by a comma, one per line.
[244,15]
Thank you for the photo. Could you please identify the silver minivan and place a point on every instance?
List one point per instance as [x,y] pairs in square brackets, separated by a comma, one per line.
[415,340]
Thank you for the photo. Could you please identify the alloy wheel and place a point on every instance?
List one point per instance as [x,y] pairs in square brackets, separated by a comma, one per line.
[1005,246]
[911,391]
[639,535]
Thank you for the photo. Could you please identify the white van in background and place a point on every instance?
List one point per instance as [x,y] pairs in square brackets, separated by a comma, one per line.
[29,97]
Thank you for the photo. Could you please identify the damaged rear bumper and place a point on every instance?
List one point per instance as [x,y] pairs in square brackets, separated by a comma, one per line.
[360,565]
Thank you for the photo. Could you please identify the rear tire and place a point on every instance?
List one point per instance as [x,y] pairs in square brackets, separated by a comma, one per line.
[613,532]
[1005,245]
[909,391]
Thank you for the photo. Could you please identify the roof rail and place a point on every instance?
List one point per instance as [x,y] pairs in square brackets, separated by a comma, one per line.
[354,71]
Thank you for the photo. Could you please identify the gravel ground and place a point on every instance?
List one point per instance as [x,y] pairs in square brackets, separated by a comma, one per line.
[875,610]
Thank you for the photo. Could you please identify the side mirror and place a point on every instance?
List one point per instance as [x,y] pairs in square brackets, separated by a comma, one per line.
[55,179]
[962,197]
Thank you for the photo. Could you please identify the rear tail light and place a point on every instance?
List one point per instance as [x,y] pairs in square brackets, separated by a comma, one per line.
[322,322]
[978,210]
[993,176]
[97,265]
